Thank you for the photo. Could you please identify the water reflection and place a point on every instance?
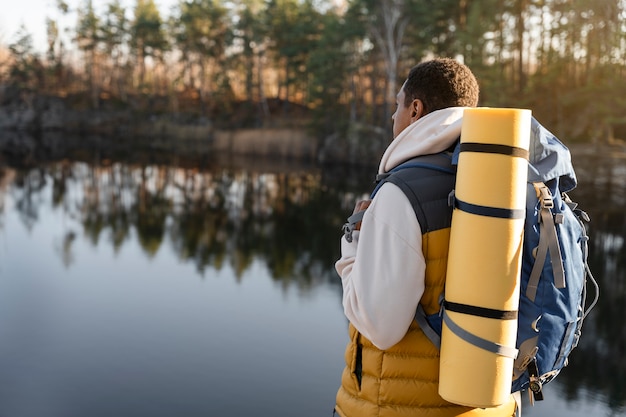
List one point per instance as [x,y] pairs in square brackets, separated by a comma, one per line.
[210,217]
[597,365]
[288,220]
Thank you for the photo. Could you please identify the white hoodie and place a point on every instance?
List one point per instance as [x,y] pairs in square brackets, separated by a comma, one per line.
[382,269]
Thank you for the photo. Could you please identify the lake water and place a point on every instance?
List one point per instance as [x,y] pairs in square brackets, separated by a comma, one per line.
[140,288]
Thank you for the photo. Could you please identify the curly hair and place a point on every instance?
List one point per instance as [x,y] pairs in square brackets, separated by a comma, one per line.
[441,83]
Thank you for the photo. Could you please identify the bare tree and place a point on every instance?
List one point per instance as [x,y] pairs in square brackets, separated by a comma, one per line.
[388,28]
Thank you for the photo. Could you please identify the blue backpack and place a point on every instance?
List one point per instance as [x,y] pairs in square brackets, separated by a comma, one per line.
[555,273]
[554,276]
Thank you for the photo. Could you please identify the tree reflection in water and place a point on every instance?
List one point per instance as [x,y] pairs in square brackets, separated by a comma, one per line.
[291,221]
[597,364]
[209,217]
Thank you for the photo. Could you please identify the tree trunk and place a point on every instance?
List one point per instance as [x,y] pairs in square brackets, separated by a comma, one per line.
[521,29]
[388,37]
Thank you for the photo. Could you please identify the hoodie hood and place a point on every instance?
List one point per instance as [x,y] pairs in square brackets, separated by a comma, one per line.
[431,134]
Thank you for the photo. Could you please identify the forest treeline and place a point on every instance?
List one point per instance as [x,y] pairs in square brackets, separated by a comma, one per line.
[330,64]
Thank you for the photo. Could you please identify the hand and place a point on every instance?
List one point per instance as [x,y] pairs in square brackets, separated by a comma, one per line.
[360,206]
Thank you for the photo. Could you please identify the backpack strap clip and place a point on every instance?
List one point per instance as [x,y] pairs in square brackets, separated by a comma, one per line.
[544,195]
[350,226]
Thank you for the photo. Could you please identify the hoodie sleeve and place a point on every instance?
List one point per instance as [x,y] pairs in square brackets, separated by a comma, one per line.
[382,269]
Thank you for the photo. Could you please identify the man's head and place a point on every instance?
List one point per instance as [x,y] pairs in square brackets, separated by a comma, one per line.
[434,85]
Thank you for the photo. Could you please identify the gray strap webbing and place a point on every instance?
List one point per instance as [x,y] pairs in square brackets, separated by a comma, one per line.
[420,318]
[478,341]
[548,242]
[356,217]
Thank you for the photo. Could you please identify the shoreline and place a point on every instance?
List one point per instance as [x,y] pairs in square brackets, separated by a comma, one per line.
[198,145]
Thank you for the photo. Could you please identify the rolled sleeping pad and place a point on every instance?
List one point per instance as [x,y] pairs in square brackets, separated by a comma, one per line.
[484,259]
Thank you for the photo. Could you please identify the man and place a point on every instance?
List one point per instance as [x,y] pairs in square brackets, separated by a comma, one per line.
[393,262]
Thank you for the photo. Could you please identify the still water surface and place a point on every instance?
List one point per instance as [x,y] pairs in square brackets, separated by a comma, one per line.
[140,289]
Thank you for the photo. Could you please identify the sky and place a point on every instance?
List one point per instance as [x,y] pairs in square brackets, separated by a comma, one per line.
[33,13]
[29,12]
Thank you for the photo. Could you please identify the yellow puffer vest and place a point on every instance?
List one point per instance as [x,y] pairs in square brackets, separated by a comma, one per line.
[403,380]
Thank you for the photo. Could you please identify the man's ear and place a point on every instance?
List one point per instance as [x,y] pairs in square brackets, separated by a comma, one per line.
[417,109]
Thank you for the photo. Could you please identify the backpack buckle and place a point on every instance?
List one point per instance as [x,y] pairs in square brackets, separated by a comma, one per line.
[348,228]
[535,382]
[544,195]
[351,225]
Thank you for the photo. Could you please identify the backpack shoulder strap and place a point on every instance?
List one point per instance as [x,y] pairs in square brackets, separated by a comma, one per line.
[431,334]
[434,165]
[421,179]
